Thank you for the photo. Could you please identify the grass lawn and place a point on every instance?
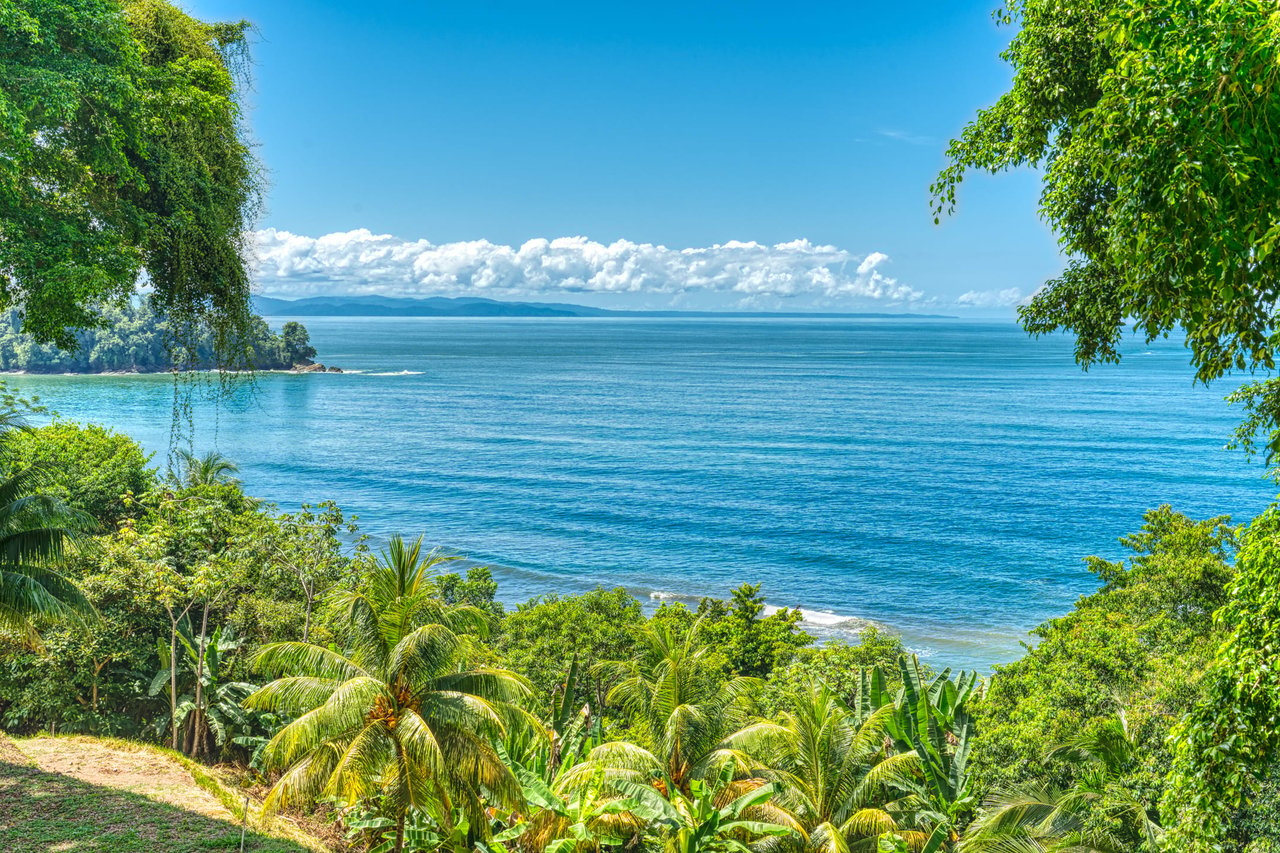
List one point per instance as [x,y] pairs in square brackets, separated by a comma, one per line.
[79,794]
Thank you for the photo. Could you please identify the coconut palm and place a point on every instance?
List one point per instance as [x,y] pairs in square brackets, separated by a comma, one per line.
[836,772]
[35,531]
[207,470]
[686,716]
[398,714]
[1043,818]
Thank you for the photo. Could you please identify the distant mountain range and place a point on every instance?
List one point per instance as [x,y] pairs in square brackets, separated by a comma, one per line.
[471,306]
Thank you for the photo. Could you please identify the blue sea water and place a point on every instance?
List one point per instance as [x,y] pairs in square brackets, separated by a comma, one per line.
[938,477]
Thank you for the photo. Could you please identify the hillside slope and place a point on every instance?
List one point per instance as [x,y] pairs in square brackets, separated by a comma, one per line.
[87,794]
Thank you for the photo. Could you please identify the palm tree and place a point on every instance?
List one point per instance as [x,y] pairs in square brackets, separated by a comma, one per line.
[687,716]
[35,531]
[398,714]
[834,768]
[1042,818]
[207,470]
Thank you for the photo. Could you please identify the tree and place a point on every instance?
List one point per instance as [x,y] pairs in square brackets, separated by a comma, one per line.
[933,720]
[542,637]
[1150,122]
[296,343]
[478,589]
[215,709]
[35,530]
[838,665]
[1095,813]
[831,761]
[91,468]
[699,820]
[132,337]
[306,545]
[685,714]
[399,714]
[1230,740]
[207,470]
[122,149]
[583,820]
[754,646]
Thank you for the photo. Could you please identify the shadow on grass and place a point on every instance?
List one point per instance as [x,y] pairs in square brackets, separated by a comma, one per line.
[41,811]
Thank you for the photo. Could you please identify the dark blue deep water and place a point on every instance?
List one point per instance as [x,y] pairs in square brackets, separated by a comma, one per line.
[941,478]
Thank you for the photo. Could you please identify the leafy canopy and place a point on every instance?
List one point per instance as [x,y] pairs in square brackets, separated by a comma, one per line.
[1155,127]
[122,151]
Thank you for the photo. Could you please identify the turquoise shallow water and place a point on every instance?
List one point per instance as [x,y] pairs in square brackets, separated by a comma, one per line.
[942,478]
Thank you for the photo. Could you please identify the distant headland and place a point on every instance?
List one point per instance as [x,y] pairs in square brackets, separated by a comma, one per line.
[471,306]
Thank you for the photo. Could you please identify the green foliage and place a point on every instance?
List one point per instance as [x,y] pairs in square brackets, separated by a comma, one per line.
[838,665]
[1140,643]
[544,636]
[754,646]
[1151,122]
[683,713]
[121,150]
[90,676]
[214,709]
[831,759]
[137,338]
[182,552]
[90,468]
[694,822]
[211,469]
[1230,737]
[933,718]
[1098,812]
[36,528]
[295,343]
[399,714]
[478,589]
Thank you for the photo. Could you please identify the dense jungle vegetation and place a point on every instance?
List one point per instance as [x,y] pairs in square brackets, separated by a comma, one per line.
[388,689]
[398,697]
[135,338]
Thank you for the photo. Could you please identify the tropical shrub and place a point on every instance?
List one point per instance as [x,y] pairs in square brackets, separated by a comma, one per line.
[91,468]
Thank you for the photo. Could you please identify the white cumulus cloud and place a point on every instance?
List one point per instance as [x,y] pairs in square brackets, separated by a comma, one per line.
[361,262]
[1006,298]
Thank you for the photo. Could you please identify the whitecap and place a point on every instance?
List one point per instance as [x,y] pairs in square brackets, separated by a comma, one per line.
[827,620]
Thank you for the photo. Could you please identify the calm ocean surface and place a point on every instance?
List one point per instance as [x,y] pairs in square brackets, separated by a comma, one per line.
[941,478]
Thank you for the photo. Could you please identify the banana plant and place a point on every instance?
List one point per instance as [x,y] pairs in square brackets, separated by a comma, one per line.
[692,823]
[219,710]
[589,817]
[572,732]
[367,826]
[934,722]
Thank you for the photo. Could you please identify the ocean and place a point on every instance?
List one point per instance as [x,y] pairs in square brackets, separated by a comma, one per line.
[943,479]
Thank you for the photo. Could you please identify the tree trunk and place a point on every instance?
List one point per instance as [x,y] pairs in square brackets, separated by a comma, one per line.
[173,678]
[97,670]
[400,834]
[306,625]
[197,741]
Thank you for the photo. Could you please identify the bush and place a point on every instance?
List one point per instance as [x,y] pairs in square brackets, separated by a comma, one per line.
[92,468]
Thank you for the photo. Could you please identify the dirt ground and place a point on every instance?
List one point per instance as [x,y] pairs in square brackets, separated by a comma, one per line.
[90,796]
[136,772]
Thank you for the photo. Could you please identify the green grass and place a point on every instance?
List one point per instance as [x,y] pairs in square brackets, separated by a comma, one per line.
[42,811]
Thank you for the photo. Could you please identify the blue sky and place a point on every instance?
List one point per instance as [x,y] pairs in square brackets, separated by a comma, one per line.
[753,155]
